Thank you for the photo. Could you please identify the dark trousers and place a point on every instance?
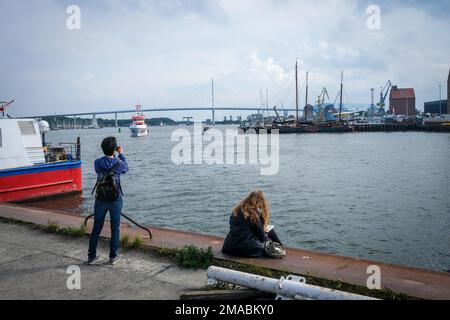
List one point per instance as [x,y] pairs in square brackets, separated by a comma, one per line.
[273,236]
[100,210]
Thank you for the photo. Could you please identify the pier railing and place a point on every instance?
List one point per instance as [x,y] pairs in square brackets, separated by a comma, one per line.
[129,219]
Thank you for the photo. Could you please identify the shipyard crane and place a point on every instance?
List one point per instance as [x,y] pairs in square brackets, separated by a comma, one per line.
[320,106]
[321,97]
[277,119]
[285,112]
[383,94]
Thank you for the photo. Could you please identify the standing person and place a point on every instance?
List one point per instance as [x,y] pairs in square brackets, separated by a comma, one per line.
[108,198]
[250,233]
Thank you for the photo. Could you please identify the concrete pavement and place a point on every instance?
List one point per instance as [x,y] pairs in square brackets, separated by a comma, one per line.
[33,265]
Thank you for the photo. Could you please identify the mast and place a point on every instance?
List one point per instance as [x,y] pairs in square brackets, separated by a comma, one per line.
[296,93]
[213,106]
[306,97]
[372,103]
[267,102]
[340,100]
[262,103]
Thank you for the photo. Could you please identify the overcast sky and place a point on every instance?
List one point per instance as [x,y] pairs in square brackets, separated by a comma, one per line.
[153,52]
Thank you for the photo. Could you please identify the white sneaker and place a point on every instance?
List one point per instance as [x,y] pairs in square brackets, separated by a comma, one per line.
[113,261]
[94,261]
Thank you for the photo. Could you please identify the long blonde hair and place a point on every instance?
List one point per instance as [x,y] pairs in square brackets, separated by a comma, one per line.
[254,207]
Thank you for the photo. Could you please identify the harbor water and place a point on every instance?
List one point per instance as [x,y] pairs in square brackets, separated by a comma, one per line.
[379,196]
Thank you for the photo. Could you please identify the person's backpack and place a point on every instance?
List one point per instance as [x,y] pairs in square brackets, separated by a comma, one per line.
[108,188]
[274,250]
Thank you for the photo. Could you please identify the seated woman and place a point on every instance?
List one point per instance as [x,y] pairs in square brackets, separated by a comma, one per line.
[250,234]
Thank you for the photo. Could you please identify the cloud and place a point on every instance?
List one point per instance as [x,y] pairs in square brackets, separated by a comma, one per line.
[267,69]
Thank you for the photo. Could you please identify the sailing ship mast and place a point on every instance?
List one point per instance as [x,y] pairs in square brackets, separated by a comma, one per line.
[306,96]
[213,103]
[340,101]
[296,93]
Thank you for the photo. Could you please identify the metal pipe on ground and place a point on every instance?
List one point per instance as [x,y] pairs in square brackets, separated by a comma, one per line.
[291,288]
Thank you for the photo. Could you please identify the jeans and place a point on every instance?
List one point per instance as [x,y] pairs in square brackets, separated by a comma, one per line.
[273,236]
[100,210]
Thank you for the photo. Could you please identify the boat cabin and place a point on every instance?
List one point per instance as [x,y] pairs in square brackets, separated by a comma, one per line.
[20,143]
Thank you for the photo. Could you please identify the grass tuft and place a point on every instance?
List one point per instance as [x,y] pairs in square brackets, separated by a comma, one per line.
[137,243]
[125,241]
[54,227]
[74,232]
[193,257]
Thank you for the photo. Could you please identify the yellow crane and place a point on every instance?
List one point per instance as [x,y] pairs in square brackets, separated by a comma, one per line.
[320,105]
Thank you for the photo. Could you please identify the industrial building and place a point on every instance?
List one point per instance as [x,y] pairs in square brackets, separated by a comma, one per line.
[439,107]
[402,101]
[448,93]
[436,107]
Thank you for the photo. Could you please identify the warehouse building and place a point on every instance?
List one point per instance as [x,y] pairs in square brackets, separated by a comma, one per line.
[436,107]
[448,93]
[439,107]
[402,101]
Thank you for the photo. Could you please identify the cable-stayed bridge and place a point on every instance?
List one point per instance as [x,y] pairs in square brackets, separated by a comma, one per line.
[211,98]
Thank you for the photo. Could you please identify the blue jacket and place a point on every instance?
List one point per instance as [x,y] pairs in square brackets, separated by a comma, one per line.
[104,164]
[245,239]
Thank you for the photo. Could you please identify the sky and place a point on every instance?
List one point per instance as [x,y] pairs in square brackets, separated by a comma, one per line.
[165,53]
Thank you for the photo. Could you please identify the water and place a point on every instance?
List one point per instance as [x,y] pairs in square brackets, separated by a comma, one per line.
[380,196]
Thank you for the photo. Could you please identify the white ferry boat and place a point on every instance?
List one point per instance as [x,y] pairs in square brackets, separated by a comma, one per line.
[139,128]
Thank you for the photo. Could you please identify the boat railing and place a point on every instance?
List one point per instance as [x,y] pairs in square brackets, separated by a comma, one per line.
[72,148]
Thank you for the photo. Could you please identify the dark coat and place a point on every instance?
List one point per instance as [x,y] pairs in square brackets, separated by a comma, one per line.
[245,239]
[104,164]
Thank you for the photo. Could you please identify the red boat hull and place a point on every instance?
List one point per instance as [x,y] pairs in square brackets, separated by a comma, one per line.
[40,181]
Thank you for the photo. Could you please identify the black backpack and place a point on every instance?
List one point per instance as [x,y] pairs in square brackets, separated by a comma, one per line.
[108,188]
